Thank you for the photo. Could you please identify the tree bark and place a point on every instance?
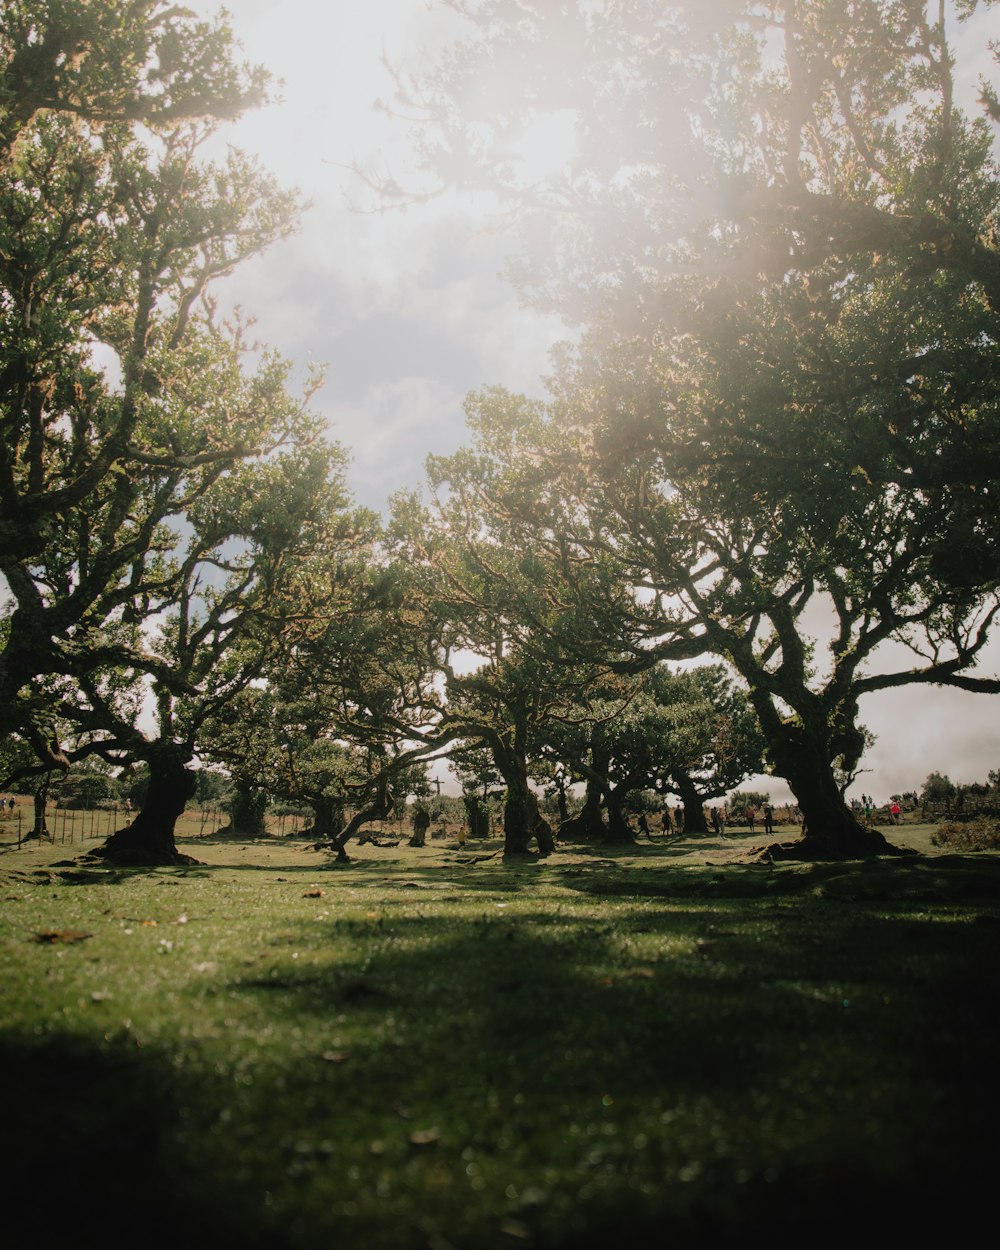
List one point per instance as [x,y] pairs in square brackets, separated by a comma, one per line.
[149,839]
[694,807]
[478,816]
[380,808]
[522,821]
[587,824]
[619,830]
[830,829]
[328,817]
[40,829]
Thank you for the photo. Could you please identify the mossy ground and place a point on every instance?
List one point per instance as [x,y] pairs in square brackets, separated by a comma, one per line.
[430,1048]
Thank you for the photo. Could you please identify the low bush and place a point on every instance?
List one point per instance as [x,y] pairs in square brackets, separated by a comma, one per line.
[980,834]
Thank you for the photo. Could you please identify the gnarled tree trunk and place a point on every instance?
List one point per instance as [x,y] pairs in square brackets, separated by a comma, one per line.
[328,817]
[619,830]
[694,806]
[380,808]
[149,839]
[830,829]
[588,824]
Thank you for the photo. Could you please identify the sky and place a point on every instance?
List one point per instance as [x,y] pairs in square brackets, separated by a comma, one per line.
[408,313]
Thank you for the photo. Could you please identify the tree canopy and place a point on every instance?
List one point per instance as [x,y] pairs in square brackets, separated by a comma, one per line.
[774,443]
[778,231]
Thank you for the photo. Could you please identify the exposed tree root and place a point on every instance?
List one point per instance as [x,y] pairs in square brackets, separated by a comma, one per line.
[140,857]
[815,850]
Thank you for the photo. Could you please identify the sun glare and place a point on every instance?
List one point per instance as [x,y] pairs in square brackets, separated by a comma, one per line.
[547,145]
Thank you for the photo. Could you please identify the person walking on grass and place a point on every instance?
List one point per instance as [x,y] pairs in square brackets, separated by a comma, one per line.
[768,819]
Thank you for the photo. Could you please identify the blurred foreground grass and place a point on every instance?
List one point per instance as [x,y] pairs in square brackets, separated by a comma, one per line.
[428,1048]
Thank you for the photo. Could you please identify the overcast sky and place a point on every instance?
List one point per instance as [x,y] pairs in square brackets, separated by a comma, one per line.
[408,313]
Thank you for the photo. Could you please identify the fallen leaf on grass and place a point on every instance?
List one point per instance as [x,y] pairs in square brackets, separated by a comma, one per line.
[313,894]
[62,935]
[425,1137]
[335,1056]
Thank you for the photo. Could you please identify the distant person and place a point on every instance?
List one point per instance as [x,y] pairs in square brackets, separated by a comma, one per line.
[895,813]
[717,821]
[666,823]
[768,819]
[643,824]
[751,817]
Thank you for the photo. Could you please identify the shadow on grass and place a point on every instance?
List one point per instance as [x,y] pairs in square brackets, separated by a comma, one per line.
[89,1136]
[641,1064]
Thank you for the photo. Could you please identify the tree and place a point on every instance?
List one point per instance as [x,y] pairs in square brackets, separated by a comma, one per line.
[756,136]
[160,490]
[115,63]
[938,788]
[497,617]
[90,785]
[110,239]
[689,733]
[239,577]
[785,405]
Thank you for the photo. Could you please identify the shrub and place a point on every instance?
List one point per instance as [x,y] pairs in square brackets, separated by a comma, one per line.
[981,834]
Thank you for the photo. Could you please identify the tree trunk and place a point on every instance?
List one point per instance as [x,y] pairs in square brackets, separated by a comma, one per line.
[421,823]
[694,807]
[587,825]
[40,828]
[478,816]
[380,808]
[619,830]
[522,820]
[328,817]
[246,812]
[830,829]
[149,839]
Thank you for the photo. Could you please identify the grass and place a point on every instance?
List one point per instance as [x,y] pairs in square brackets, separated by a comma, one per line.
[427,1048]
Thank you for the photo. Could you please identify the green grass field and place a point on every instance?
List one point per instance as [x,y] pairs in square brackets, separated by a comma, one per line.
[429,1048]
